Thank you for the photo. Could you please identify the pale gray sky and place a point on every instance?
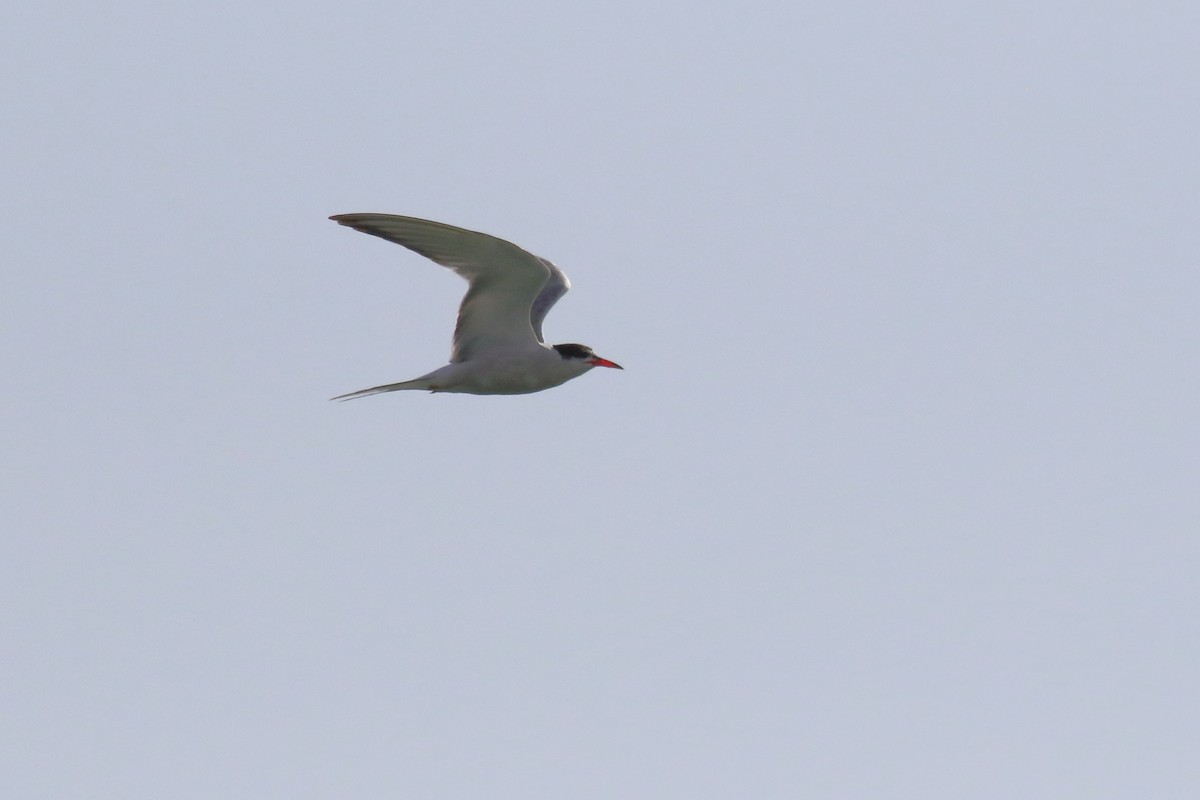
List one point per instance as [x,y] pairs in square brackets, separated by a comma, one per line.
[895,498]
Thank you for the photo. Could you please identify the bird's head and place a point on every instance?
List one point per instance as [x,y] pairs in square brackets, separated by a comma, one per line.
[583,353]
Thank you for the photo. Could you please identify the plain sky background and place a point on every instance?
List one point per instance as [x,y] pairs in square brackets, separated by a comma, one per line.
[897,496]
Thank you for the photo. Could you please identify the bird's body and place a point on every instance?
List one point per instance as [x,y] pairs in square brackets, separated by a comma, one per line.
[498,346]
[518,372]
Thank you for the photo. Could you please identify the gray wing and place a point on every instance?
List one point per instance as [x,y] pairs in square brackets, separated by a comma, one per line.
[555,287]
[498,310]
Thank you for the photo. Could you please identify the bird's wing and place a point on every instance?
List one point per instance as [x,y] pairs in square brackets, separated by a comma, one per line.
[555,288]
[504,279]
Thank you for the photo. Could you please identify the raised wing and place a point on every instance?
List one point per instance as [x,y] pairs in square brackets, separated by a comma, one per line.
[555,288]
[497,313]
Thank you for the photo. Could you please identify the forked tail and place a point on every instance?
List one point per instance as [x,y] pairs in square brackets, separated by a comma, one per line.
[416,383]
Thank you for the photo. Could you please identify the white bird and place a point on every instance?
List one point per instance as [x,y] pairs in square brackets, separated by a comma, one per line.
[498,346]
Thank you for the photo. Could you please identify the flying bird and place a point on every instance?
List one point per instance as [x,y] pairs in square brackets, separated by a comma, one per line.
[498,346]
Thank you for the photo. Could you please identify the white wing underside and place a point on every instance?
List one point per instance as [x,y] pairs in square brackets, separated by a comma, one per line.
[510,290]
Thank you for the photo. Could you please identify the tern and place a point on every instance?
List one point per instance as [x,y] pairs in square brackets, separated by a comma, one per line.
[498,346]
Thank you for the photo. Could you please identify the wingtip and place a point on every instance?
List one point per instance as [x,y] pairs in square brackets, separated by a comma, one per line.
[357,219]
